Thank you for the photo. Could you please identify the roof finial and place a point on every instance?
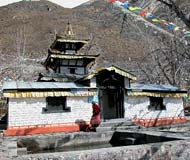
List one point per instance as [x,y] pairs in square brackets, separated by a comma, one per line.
[69,31]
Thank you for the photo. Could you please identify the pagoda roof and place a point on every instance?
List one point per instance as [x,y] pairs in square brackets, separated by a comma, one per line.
[90,58]
[60,39]
[68,56]
[68,37]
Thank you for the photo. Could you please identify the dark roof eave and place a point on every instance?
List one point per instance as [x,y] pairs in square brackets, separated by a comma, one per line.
[58,55]
[48,89]
[156,91]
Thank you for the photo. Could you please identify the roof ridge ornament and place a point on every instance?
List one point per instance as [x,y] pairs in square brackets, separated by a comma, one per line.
[69,31]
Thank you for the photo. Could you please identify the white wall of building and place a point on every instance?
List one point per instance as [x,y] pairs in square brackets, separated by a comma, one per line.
[28,111]
[137,107]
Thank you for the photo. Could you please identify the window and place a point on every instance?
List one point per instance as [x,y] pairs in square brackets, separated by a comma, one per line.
[79,62]
[72,70]
[65,62]
[156,103]
[73,46]
[56,104]
[72,62]
[67,46]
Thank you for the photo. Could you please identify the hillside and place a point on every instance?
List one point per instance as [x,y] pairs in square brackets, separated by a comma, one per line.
[28,28]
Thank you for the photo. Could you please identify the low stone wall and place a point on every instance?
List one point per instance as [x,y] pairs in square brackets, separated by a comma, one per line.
[163,151]
[53,142]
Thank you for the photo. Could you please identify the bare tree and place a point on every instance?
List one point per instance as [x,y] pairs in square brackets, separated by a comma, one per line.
[165,59]
[166,63]
[174,7]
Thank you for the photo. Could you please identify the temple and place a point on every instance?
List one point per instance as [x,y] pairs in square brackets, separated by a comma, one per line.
[64,61]
[60,100]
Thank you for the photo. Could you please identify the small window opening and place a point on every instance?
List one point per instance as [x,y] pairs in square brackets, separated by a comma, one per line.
[73,46]
[156,103]
[56,104]
[72,70]
[67,46]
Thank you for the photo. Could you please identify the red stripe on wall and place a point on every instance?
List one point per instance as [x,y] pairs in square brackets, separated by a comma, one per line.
[43,129]
[159,121]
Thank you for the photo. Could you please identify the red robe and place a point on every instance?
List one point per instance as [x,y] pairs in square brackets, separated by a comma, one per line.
[95,120]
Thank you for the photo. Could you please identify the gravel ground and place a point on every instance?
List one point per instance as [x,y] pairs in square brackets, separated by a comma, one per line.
[4,155]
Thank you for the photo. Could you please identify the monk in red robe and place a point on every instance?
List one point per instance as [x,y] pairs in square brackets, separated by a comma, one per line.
[95,119]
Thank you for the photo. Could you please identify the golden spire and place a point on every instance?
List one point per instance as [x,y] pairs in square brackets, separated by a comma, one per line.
[69,31]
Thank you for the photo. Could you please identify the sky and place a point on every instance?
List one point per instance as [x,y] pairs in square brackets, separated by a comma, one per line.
[64,3]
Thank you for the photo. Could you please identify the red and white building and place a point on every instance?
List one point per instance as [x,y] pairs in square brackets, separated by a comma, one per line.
[60,101]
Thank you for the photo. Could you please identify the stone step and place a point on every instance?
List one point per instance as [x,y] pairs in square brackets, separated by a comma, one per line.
[104,129]
[165,127]
[111,128]
[128,128]
[119,122]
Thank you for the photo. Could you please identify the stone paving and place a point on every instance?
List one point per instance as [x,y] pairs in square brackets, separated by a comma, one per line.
[3,150]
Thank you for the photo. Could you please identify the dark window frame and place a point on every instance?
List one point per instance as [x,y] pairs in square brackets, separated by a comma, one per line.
[156,104]
[56,104]
[72,70]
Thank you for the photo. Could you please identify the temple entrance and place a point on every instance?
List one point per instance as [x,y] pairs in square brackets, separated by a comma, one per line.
[111,101]
[111,94]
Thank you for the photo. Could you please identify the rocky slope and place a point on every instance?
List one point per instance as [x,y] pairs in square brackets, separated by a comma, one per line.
[28,28]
